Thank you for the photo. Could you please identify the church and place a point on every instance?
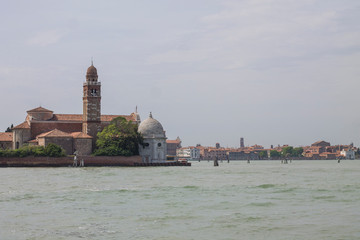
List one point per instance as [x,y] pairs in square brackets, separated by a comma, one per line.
[77,132]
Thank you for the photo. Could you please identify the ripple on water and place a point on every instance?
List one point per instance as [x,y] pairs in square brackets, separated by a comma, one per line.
[324,197]
[261,204]
[22,197]
[191,187]
[266,186]
[286,190]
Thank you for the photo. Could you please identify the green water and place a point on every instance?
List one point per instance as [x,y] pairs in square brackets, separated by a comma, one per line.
[260,200]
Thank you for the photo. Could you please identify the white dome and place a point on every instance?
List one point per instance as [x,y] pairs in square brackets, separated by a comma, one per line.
[151,128]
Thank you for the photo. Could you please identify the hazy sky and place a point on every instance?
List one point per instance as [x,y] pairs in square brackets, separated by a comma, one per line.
[271,71]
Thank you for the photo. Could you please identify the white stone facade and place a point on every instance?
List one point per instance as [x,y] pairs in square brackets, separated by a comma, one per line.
[349,154]
[189,153]
[154,149]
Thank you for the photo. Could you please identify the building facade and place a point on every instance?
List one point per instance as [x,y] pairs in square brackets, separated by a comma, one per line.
[154,148]
[188,153]
[73,132]
[172,146]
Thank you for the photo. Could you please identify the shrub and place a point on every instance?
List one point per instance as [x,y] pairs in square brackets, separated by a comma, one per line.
[53,150]
[39,151]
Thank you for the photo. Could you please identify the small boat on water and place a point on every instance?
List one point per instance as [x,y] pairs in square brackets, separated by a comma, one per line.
[182,160]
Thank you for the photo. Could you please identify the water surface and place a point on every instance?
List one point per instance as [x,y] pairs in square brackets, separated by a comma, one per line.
[260,200]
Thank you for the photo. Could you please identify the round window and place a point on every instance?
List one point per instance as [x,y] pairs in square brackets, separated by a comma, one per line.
[146,144]
[159,144]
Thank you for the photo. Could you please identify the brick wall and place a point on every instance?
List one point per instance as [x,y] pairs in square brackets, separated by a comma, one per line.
[89,161]
[65,142]
[83,146]
[42,127]
[6,145]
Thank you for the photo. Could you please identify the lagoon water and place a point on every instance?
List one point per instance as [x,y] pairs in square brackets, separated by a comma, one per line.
[260,200]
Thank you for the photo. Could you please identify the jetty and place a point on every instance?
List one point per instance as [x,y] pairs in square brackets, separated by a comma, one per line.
[86,161]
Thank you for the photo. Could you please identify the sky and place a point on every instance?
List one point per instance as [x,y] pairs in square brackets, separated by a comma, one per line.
[271,71]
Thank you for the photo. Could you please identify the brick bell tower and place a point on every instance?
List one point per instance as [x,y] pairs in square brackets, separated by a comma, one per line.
[91,103]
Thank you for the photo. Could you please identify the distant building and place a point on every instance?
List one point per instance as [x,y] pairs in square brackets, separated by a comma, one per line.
[172,145]
[189,153]
[328,155]
[242,144]
[256,147]
[242,155]
[214,153]
[217,145]
[6,140]
[348,154]
[320,144]
[314,150]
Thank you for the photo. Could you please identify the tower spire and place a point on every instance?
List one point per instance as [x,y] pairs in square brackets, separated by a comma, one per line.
[92,61]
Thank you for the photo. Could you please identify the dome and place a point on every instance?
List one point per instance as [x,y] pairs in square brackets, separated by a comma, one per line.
[151,128]
[91,71]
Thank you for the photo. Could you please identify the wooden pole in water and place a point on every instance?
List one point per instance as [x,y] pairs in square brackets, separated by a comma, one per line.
[216,163]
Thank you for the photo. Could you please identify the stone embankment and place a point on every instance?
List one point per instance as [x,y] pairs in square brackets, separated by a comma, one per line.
[165,164]
[89,161]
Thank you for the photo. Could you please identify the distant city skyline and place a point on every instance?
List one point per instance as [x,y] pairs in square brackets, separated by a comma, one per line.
[273,72]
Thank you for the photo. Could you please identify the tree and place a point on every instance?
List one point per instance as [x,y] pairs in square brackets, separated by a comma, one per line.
[297,152]
[120,138]
[287,151]
[274,153]
[53,150]
[9,129]
[263,154]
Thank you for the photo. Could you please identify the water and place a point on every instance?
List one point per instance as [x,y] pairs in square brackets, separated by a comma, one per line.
[260,200]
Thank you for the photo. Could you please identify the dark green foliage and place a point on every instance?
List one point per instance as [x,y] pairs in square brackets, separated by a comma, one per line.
[287,151]
[51,150]
[9,129]
[292,152]
[298,152]
[39,151]
[120,138]
[263,154]
[274,153]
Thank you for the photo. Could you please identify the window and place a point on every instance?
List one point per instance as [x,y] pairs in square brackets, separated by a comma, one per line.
[159,144]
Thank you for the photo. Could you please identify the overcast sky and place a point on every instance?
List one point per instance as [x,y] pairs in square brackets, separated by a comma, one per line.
[271,71]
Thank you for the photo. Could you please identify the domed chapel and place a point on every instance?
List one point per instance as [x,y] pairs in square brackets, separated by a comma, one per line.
[77,132]
[154,149]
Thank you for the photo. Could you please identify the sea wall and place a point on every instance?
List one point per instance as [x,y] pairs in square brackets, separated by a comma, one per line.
[89,161]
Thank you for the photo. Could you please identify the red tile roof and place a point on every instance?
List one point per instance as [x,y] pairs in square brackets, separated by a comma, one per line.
[6,136]
[80,135]
[79,117]
[172,141]
[23,125]
[54,133]
[39,109]
[67,117]
[109,118]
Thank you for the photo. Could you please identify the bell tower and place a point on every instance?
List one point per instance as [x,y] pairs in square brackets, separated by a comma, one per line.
[91,103]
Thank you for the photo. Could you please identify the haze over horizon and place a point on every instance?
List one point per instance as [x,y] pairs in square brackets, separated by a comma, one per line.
[271,71]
